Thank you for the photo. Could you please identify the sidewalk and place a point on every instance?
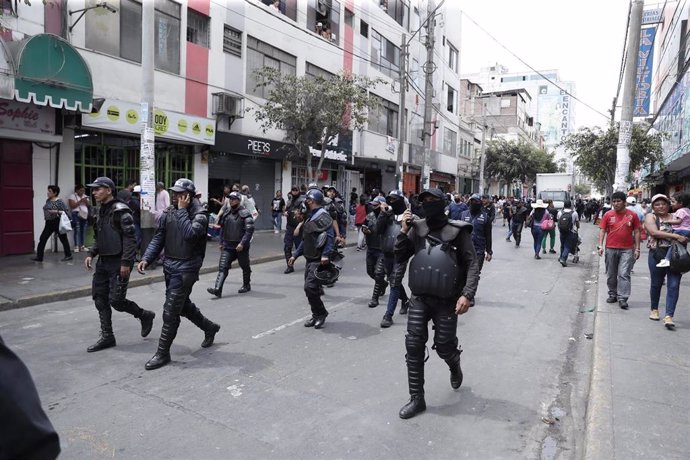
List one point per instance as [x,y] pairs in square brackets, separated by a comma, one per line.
[24,283]
[639,401]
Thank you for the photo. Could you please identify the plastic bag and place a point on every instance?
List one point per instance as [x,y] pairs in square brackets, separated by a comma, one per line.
[680,259]
[547,223]
[65,223]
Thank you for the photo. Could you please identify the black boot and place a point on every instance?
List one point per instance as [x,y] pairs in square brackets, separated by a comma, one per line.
[210,333]
[289,269]
[414,407]
[455,372]
[162,356]
[146,319]
[378,288]
[217,289]
[244,288]
[246,282]
[404,307]
[107,339]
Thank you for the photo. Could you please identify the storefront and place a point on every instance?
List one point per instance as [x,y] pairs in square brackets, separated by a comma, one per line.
[443,181]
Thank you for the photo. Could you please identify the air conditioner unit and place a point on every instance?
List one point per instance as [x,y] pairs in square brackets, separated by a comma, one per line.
[228,104]
[323,7]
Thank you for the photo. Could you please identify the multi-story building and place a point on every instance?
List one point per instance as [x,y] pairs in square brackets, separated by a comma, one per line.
[72,71]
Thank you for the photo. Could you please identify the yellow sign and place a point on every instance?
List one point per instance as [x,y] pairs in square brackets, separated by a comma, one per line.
[132,117]
[182,125]
[196,127]
[113,113]
[160,122]
[209,130]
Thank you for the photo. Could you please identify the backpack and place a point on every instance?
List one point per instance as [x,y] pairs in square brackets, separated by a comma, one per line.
[565,222]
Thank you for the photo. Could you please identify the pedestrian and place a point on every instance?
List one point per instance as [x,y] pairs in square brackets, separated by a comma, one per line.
[478,217]
[534,221]
[680,202]
[181,232]
[290,241]
[374,253]
[277,210]
[506,209]
[568,226]
[519,215]
[317,243]
[236,235]
[162,200]
[115,247]
[52,210]
[661,236]
[456,207]
[489,207]
[80,206]
[360,217]
[353,197]
[550,233]
[444,246]
[388,225]
[621,228]
[249,203]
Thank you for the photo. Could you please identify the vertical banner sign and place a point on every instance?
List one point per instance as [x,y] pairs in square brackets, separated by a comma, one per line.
[147,168]
[645,60]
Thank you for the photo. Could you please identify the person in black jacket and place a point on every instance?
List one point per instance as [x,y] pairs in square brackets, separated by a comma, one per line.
[116,247]
[290,241]
[435,244]
[238,228]
[182,233]
[374,254]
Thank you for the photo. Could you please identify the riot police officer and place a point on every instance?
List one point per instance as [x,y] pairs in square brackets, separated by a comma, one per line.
[289,240]
[238,228]
[181,232]
[374,253]
[317,243]
[480,219]
[115,245]
[435,245]
[388,225]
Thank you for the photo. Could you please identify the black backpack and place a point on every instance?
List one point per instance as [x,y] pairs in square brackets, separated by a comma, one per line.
[565,222]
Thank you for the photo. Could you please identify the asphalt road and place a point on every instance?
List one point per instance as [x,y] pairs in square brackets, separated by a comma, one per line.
[271,388]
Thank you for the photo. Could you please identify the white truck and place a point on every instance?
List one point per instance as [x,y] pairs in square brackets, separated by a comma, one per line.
[554,186]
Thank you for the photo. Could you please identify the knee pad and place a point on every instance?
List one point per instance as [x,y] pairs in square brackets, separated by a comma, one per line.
[101,303]
[414,345]
[170,317]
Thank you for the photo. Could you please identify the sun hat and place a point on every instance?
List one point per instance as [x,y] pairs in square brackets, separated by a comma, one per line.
[660,196]
[539,204]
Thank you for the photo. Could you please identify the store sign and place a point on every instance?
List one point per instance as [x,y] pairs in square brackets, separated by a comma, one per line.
[645,59]
[255,146]
[27,117]
[126,117]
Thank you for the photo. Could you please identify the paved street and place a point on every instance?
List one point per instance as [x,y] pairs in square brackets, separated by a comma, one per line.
[270,388]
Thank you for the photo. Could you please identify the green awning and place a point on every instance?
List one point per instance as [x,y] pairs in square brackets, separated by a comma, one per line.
[51,72]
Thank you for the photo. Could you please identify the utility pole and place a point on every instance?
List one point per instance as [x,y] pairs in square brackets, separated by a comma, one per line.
[429,68]
[482,158]
[626,125]
[402,127]
[147,159]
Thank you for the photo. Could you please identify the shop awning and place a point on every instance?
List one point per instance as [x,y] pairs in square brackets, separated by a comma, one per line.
[51,72]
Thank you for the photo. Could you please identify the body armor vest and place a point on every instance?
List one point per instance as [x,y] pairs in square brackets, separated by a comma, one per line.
[293,205]
[109,234]
[176,247]
[233,225]
[389,236]
[373,239]
[434,269]
[479,223]
[313,228]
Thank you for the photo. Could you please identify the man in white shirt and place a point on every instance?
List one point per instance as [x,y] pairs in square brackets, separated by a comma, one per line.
[568,226]
[162,200]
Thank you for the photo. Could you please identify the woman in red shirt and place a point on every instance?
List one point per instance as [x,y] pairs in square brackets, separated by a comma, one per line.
[360,217]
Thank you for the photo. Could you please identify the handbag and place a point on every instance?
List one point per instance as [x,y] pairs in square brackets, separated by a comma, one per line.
[65,223]
[680,259]
[547,223]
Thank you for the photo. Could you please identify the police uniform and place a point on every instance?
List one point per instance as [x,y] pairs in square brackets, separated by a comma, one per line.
[388,225]
[291,241]
[317,242]
[182,233]
[238,229]
[442,268]
[374,256]
[481,233]
[115,245]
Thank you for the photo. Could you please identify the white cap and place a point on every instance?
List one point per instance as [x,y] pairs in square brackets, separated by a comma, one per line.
[631,200]
[137,189]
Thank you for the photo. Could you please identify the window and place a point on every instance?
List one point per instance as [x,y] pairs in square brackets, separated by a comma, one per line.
[450,141]
[314,72]
[450,99]
[260,54]
[324,18]
[286,7]
[385,56]
[505,103]
[452,58]
[119,33]
[198,27]
[363,29]
[383,118]
[399,10]
[349,18]
[232,41]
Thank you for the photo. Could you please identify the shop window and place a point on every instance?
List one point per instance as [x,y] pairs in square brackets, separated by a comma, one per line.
[385,56]
[259,55]
[198,28]
[119,33]
[383,118]
[324,19]
[232,41]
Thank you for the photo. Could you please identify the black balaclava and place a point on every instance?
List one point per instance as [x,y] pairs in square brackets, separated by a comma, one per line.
[398,206]
[457,199]
[475,206]
[435,213]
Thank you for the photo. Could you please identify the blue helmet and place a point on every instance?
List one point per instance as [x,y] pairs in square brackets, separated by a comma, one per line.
[315,195]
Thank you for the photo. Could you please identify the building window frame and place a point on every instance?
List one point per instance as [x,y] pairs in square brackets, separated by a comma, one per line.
[452,57]
[451,98]
[232,41]
[198,28]
[261,54]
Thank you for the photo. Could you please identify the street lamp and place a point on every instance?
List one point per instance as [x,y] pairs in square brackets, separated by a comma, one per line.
[83,11]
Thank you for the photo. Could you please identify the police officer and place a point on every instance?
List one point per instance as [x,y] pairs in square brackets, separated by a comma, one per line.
[238,228]
[116,247]
[435,244]
[481,229]
[181,232]
[388,226]
[317,242]
[289,240]
[336,209]
[374,253]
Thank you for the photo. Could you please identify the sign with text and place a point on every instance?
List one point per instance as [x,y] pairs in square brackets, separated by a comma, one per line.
[645,60]
[126,117]
[27,117]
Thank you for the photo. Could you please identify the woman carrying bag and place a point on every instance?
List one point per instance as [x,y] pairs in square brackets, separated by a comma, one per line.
[52,212]
[537,221]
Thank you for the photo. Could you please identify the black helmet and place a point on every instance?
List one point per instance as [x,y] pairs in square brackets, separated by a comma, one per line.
[327,274]
[184,185]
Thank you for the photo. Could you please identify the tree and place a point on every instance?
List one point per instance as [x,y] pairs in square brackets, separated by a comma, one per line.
[512,161]
[313,111]
[582,189]
[594,152]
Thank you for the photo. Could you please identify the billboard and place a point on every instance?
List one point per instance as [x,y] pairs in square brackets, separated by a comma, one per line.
[645,60]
